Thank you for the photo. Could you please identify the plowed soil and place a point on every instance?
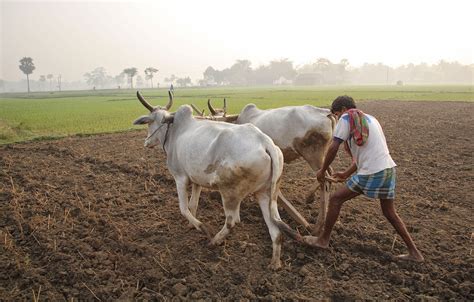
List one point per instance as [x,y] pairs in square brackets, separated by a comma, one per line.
[97,218]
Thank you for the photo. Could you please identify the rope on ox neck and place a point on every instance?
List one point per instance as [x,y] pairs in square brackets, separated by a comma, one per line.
[166,134]
[153,133]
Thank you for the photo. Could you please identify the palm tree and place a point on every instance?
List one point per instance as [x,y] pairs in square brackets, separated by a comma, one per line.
[131,72]
[50,78]
[27,66]
[42,79]
[149,74]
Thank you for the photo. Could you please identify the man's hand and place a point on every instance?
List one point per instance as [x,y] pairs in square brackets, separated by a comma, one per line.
[340,175]
[320,175]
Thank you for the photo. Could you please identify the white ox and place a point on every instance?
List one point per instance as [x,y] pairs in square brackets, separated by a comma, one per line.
[237,160]
[299,131]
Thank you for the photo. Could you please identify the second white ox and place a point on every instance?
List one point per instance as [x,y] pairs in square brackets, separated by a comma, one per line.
[235,159]
[300,131]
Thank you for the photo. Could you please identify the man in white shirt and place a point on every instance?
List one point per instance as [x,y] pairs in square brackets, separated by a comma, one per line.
[376,176]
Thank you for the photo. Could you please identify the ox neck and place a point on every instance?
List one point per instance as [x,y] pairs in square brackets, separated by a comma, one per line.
[165,139]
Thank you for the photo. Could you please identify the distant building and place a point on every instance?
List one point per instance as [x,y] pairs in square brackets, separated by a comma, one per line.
[309,78]
[282,81]
[207,83]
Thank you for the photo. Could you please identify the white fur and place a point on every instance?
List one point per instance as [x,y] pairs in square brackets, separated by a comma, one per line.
[235,159]
[287,127]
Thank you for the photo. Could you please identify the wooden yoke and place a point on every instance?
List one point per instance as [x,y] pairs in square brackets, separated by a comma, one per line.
[228,118]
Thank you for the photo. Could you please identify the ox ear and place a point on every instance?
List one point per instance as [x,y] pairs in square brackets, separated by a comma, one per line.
[144,119]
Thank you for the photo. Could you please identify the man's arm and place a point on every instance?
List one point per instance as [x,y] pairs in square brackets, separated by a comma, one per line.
[330,155]
[348,172]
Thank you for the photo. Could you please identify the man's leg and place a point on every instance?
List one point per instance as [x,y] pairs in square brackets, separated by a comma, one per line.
[335,203]
[390,213]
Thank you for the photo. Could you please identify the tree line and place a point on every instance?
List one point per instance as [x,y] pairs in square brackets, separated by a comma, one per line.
[97,78]
[325,72]
[278,72]
[100,79]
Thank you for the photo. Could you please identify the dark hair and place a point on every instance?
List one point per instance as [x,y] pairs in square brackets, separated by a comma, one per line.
[342,101]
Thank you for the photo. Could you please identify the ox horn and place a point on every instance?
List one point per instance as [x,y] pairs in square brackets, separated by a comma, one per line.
[231,118]
[213,112]
[170,103]
[197,110]
[144,102]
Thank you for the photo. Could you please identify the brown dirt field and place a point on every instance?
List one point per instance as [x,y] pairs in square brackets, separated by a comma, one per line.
[97,217]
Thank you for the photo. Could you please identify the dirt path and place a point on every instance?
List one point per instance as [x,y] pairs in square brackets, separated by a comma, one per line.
[97,217]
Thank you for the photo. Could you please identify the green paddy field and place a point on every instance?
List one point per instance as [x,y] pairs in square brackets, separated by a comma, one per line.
[44,115]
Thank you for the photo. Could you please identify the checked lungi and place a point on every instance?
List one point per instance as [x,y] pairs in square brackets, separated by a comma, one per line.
[380,185]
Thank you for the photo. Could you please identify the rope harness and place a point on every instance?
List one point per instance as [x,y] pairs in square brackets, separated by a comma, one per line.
[166,134]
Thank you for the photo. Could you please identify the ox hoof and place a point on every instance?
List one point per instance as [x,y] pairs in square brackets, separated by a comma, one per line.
[314,242]
[216,241]
[275,265]
[206,229]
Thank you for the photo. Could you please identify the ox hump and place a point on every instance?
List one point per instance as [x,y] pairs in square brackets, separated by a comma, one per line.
[184,112]
[247,113]
[249,107]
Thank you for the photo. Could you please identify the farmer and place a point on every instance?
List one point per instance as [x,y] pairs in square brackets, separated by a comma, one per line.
[363,138]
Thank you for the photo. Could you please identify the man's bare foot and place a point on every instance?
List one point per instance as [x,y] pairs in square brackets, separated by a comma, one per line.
[315,242]
[409,257]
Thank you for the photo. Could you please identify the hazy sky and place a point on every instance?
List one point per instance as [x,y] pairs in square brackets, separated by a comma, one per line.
[184,37]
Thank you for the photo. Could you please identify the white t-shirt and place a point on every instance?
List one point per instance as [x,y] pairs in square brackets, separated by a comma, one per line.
[371,157]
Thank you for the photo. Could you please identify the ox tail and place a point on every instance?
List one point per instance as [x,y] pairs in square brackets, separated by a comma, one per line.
[277,169]
[333,119]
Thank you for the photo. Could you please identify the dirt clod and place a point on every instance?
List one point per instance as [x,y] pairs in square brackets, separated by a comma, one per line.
[86,218]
